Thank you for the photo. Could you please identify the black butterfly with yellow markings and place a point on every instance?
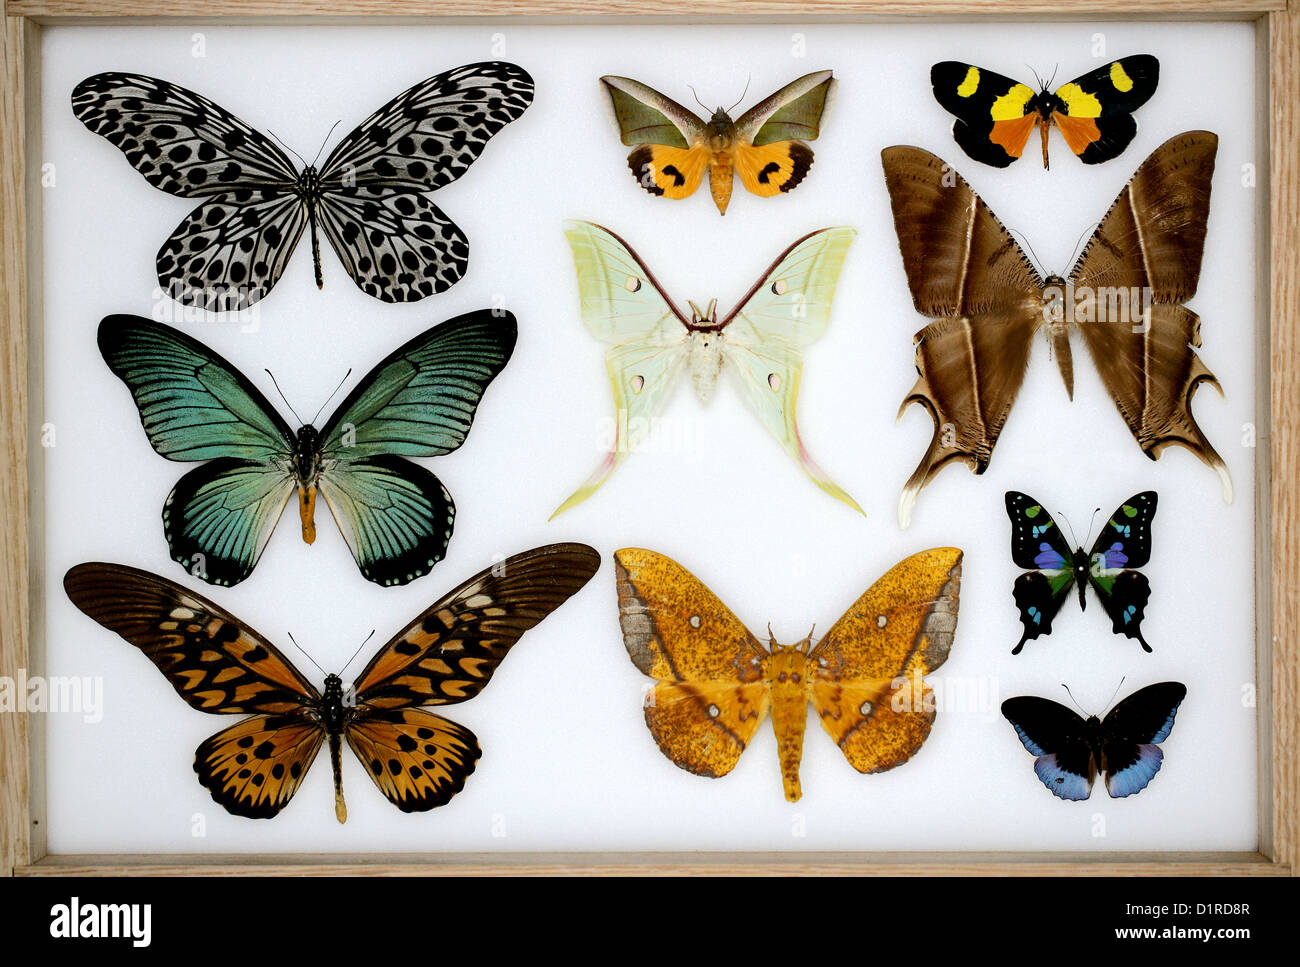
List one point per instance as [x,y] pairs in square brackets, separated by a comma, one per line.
[218,664]
[996,115]
[367,196]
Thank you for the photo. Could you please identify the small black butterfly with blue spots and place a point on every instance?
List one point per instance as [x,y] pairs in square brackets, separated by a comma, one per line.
[1124,543]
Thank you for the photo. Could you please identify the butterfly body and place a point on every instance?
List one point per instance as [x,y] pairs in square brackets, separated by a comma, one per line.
[716,683]
[1123,545]
[650,341]
[765,146]
[987,302]
[996,115]
[446,655]
[1124,746]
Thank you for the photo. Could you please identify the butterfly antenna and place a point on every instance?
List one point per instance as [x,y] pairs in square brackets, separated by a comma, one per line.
[1053,77]
[330,397]
[1092,520]
[697,99]
[1073,536]
[290,150]
[1071,694]
[283,397]
[304,651]
[742,93]
[325,142]
[357,652]
[1037,80]
[1116,692]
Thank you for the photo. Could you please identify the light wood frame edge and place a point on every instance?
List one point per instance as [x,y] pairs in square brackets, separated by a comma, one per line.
[22,844]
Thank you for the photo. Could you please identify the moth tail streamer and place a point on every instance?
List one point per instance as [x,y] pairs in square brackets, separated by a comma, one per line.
[592,483]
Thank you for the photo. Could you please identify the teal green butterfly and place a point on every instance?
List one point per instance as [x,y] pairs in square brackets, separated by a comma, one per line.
[396,517]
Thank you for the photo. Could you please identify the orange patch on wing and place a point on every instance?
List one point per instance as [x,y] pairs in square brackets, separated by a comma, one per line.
[1079,132]
[773,168]
[1012,136]
[670,172]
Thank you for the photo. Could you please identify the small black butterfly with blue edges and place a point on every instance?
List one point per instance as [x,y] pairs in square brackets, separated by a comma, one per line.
[368,196]
[1071,750]
[1125,542]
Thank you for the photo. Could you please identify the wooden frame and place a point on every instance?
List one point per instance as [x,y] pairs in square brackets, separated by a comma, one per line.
[1277,503]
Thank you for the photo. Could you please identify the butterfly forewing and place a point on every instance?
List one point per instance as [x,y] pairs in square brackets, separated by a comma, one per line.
[194,404]
[449,653]
[428,135]
[420,401]
[214,661]
[179,140]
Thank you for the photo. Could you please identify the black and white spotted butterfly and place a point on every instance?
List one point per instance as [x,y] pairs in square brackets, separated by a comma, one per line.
[367,196]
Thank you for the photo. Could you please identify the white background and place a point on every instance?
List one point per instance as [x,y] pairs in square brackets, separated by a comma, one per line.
[568,762]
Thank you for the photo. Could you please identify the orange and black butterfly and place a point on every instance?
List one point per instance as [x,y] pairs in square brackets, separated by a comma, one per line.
[218,664]
[716,682]
[996,115]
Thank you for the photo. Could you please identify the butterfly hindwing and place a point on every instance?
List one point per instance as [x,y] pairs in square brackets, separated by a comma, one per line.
[220,516]
[418,760]
[254,767]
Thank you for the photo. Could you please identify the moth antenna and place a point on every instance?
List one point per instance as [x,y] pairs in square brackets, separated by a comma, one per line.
[1037,80]
[304,651]
[290,150]
[742,93]
[357,652]
[1076,251]
[697,98]
[330,397]
[1025,241]
[1053,77]
[325,142]
[283,397]
[771,638]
